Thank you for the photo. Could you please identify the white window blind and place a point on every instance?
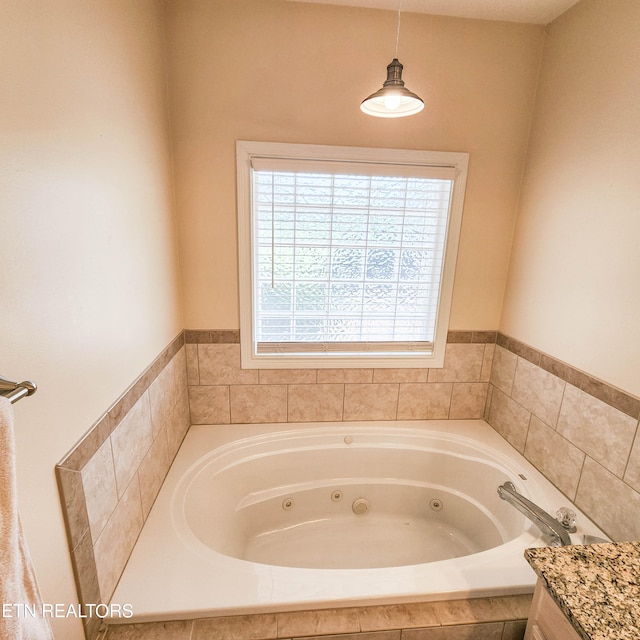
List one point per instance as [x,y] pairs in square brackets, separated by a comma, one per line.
[347,257]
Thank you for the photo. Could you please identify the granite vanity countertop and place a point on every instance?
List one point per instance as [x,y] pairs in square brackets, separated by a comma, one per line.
[596,586]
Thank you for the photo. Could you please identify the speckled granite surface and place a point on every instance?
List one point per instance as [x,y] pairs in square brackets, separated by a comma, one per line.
[596,586]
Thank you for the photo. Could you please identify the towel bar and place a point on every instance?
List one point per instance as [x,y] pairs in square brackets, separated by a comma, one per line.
[16,390]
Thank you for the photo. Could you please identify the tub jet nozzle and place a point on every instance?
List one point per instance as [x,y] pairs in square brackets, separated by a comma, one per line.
[360,506]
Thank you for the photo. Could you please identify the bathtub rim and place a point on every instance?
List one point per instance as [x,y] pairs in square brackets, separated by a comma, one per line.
[165,597]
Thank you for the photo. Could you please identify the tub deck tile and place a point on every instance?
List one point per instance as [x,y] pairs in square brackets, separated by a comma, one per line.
[398,616]
[374,635]
[174,630]
[249,627]
[460,612]
[486,631]
[322,622]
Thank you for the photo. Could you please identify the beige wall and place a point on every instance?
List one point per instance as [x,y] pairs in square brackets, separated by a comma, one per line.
[574,284]
[88,248]
[88,277]
[297,72]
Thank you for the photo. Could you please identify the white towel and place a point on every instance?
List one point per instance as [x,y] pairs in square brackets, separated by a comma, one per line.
[21,613]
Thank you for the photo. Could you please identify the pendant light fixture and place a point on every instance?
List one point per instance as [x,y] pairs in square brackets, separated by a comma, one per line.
[394,100]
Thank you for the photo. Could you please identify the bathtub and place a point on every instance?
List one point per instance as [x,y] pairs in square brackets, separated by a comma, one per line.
[282,517]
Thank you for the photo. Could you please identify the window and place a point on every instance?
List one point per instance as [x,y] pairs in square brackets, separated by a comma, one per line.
[347,255]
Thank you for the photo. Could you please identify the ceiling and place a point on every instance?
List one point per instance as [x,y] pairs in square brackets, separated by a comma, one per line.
[530,11]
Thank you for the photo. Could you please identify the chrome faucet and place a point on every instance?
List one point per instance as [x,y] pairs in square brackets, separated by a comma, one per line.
[545,522]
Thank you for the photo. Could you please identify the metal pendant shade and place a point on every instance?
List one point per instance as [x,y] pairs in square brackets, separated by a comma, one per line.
[394,100]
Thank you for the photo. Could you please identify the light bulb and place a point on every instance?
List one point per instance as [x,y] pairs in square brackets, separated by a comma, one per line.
[392,102]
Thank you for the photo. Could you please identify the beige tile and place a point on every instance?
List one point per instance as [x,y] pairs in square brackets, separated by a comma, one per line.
[179,364]
[503,370]
[400,375]
[193,373]
[468,400]
[632,474]
[90,442]
[209,405]
[85,570]
[487,406]
[370,401]
[538,391]
[602,432]
[196,336]
[287,376]
[482,609]
[152,471]
[113,547]
[353,376]
[258,403]
[398,616]
[554,456]
[325,621]
[429,401]
[163,394]
[100,490]
[485,336]
[609,502]
[74,504]
[482,631]
[487,362]
[220,364]
[178,425]
[315,402]
[173,630]
[129,398]
[509,419]
[92,627]
[460,335]
[250,627]
[517,607]
[462,363]
[131,440]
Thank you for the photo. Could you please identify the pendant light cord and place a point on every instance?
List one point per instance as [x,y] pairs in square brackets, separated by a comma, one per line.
[398,29]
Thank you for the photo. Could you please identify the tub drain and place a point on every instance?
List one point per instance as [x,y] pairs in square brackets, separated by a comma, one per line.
[360,506]
[436,504]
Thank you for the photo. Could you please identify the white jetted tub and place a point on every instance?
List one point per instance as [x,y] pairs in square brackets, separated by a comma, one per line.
[255,518]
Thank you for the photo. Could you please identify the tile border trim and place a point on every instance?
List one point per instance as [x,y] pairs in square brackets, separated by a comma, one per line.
[232,336]
[607,393]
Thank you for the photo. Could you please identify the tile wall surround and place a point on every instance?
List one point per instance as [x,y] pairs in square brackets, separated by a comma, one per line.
[220,392]
[109,480]
[500,618]
[580,432]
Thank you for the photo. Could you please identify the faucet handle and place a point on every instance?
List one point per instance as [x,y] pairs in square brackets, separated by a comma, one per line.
[567,519]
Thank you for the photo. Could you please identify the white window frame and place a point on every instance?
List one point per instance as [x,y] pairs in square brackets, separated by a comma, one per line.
[246,152]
